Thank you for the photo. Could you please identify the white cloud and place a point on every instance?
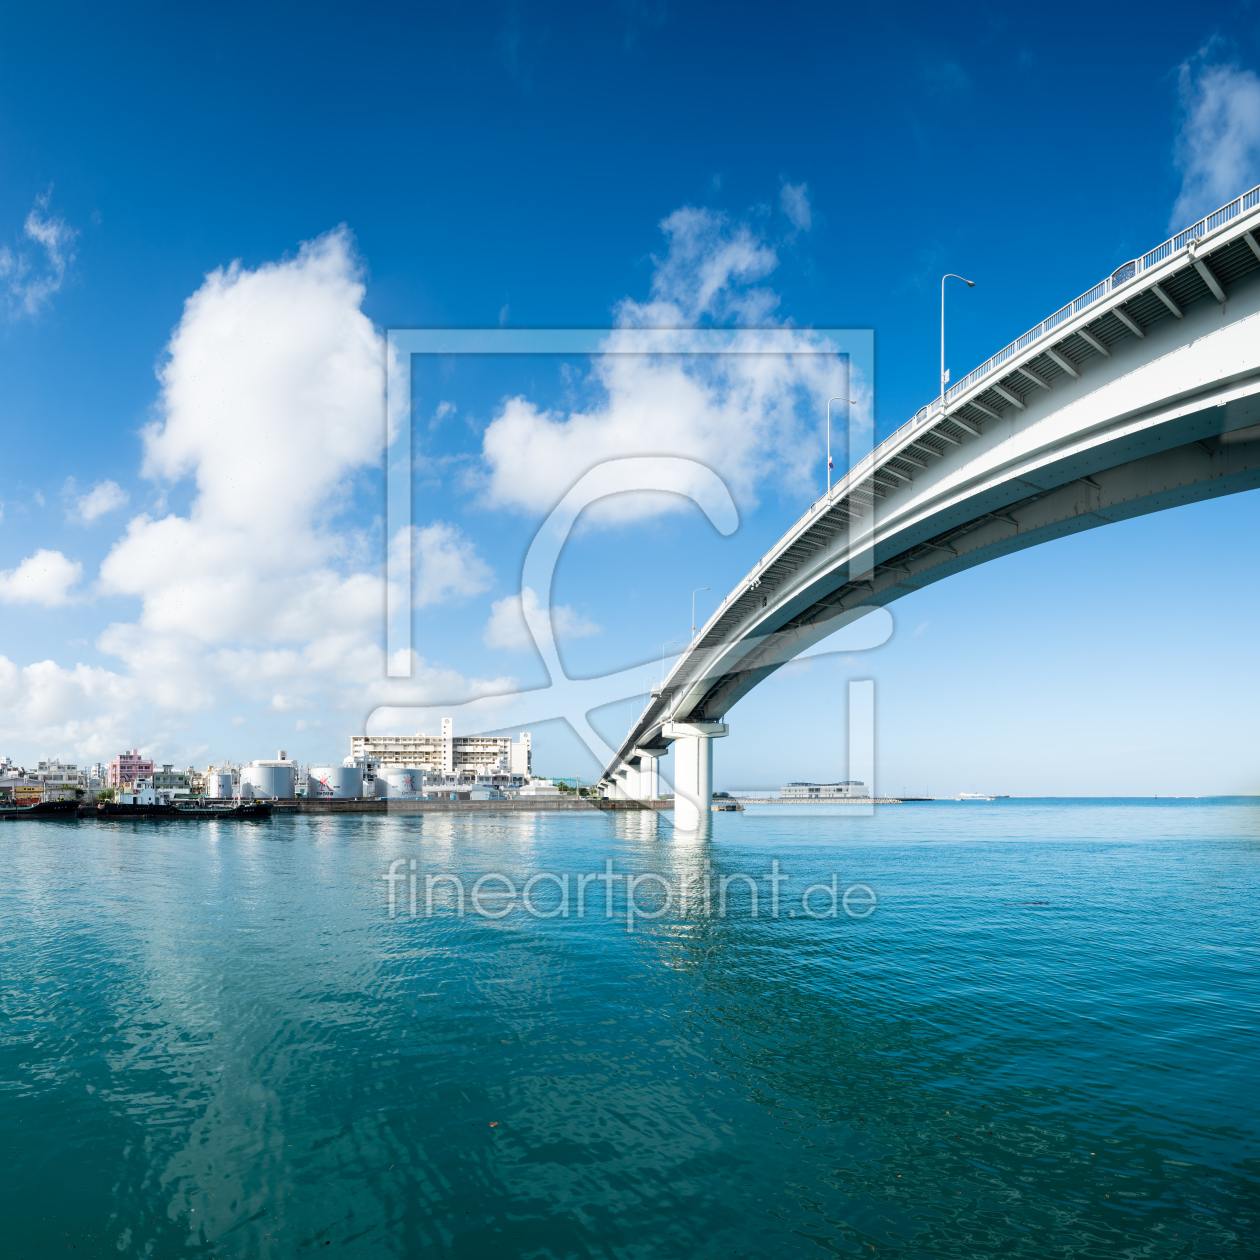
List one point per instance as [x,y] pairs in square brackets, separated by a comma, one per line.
[751,417]
[103,497]
[708,273]
[794,198]
[270,399]
[507,627]
[31,284]
[44,578]
[446,566]
[1218,145]
[86,707]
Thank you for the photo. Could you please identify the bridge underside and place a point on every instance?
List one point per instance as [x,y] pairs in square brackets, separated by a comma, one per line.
[1212,452]
[1141,395]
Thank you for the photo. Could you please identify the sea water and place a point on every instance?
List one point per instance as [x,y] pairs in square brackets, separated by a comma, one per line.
[1029,1031]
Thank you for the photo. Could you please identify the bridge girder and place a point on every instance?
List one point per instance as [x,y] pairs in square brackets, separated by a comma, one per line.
[1173,419]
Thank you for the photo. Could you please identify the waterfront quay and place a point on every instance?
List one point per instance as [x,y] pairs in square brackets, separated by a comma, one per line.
[512,805]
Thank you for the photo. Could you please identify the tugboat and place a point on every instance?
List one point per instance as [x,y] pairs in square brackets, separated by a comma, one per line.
[41,809]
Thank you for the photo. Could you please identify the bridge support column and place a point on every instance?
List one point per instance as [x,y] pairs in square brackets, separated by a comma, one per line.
[650,772]
[693,770]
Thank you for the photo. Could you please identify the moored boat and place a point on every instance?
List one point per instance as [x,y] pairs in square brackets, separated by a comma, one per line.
[111,809]
[40,809]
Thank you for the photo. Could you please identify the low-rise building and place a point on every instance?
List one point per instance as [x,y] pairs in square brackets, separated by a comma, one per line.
[60,776]
[127,767]
[172,781]
[539,787]
[846,789]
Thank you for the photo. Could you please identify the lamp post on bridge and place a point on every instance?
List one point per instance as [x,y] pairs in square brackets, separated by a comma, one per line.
[971,284]
[837,398]
[693,608]
[663,647]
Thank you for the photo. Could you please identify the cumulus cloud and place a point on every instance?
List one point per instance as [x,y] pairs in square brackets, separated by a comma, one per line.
[446,566]
[86,707]
[44,578]
[1218,144]
[103,497]
[507,627]
[750,416]
[271,401]
[31,280]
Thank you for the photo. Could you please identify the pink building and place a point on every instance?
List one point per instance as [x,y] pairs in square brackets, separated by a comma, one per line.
[127,767]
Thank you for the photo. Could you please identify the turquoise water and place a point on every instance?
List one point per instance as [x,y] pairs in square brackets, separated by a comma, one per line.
[1041,1041]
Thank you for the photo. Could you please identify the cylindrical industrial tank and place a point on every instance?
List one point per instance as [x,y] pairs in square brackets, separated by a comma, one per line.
[268,780]
[337,782]
[399,781]
[219,784]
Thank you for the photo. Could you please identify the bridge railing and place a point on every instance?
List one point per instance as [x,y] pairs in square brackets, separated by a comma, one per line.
[1122,276]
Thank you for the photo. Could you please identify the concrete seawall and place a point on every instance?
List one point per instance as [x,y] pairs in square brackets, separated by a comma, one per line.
[532,804]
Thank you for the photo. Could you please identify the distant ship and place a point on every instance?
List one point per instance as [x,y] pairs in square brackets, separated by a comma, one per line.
[974,796]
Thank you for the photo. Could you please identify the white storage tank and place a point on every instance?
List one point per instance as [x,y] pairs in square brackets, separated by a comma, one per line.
[269,780]
[336,782]
[399,781]
[219,784]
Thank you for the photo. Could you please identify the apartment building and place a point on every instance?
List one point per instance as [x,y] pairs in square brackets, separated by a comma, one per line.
[449,758]
[127,767]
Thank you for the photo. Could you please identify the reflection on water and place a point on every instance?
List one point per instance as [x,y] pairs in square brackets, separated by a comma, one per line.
[216,1041]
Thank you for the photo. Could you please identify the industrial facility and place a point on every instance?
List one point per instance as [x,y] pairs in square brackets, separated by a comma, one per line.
[397,767]
[449,759]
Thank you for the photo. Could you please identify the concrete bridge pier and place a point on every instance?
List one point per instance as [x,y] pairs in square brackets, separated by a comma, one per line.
[650,771]
[693,770]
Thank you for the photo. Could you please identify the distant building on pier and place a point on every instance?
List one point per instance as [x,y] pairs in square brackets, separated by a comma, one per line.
[846,789]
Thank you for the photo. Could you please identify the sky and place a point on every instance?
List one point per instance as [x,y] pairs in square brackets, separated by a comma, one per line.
[211,216]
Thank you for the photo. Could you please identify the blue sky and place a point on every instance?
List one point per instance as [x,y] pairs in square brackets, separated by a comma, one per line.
[209,217]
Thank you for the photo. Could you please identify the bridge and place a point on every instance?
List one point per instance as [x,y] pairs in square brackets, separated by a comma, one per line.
[1141,394]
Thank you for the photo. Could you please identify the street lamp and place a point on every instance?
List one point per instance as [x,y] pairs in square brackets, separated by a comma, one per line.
[971,284]
[663,647]
[838,398]
[693,608]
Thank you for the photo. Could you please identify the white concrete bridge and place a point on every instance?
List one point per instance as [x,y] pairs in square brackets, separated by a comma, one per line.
[1141,394]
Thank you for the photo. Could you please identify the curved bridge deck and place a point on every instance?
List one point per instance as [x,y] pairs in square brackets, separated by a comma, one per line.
[1139,395]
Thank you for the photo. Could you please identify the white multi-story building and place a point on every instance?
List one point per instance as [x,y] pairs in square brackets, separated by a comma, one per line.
[496,760]
[59,774]
[172,781]
[844,790]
